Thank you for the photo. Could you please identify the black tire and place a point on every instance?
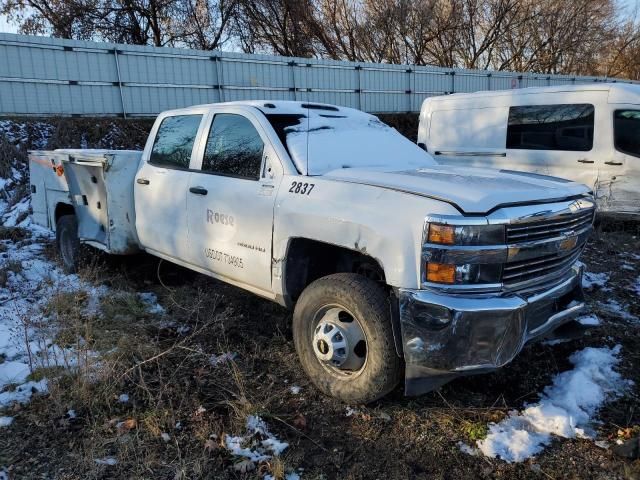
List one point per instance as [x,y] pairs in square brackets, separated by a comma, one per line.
[68,243]
[368,303]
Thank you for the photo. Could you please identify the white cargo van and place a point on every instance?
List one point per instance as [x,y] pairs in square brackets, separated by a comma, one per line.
[586,133]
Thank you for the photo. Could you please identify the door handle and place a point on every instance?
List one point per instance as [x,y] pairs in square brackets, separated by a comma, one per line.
[198,190]
[613,163]
[142,181]
[584,160]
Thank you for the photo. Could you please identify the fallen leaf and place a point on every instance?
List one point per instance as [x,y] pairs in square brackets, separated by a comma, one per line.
[126,425]
[300,421]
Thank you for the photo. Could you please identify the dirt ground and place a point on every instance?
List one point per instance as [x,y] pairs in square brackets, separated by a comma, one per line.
[166,371]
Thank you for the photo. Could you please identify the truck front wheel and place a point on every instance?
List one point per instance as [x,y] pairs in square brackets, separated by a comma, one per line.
[343,336]
[68,242]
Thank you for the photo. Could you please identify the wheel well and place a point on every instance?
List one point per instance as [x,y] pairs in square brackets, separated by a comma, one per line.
[307,260]
[63,209]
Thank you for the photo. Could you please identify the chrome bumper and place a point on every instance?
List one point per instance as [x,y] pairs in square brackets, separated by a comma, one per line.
[445,336]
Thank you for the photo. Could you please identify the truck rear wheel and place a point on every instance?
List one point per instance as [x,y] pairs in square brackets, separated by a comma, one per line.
[343,336]
[68,242]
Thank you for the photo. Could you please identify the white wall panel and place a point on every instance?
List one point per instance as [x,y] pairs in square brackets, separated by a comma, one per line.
[47,76]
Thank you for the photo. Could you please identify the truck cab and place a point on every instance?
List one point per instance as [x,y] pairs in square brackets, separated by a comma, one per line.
[395,267]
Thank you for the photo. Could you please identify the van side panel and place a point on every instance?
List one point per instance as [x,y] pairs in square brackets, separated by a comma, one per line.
[473,129]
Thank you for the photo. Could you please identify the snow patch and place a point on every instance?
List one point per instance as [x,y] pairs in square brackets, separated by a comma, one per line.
[566,408]
[613,307]
[217,360]
[150,301]
[294,389]
[106,461]
[26,332]
[588,320]
[6,421]
[258,444]
[591,280]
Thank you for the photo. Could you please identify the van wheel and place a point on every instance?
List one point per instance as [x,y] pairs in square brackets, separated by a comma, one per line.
[343,336]
[68,243]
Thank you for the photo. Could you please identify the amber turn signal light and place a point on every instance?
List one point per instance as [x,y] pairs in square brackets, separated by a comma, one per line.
[441,273]
[444,234]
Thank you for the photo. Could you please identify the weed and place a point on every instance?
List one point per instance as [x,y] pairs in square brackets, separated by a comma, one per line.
[40,373]
[11,156]
[123,305]
[475,430]
[15,234]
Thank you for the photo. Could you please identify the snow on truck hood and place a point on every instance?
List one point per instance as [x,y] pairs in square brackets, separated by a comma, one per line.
[471,190]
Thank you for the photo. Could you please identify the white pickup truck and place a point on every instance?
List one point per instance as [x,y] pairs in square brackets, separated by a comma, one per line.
[395,266]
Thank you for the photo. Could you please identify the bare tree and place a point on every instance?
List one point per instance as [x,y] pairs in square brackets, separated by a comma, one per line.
[206,23]
[61,18]
[593,37]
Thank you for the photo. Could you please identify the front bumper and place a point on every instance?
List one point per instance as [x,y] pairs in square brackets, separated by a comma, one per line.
[445,336]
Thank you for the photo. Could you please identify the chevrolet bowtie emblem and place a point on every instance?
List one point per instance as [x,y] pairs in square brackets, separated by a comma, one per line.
[568,243]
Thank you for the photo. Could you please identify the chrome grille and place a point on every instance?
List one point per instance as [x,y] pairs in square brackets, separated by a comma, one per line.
[566,224]
[539,269]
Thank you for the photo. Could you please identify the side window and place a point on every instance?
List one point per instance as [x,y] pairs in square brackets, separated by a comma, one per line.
[626,131]
[234,147]
[174,141]
[551,127]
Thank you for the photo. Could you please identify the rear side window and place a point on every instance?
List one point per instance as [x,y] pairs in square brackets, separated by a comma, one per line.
[567,127]
[234,147]
[626,131]
[174,142]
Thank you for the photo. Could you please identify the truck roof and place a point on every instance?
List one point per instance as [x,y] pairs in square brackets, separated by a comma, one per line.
[286,107]
[618,92]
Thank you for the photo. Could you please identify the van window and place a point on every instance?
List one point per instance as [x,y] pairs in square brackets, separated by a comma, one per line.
[174,141]
[551,127]
[626,131]
[234,147]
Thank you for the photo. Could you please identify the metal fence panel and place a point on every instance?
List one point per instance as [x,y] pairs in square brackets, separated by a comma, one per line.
[47,76]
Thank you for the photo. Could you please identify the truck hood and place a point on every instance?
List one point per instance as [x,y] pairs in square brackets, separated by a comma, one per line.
[470,190]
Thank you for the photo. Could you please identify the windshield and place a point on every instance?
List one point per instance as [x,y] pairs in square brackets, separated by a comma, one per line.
[322,141]
[626,131]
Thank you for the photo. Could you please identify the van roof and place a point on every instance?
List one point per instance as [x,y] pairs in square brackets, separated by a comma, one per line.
[618,92]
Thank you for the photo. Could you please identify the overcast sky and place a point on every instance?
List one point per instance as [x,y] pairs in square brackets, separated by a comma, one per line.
[6,28]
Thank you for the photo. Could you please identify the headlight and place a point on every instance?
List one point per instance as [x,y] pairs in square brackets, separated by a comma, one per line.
[466,265]
[444,234]
[467,274]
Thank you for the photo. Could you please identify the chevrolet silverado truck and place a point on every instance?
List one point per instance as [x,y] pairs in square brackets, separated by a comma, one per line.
[396,267]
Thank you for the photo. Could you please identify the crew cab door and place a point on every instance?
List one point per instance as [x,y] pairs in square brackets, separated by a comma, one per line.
[162,184]
[231,199]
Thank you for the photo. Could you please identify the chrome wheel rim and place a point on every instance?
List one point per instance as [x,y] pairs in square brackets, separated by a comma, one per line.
[339,342]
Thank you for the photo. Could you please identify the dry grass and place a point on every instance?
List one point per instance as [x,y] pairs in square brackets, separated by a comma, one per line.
[10,157]
[181,407]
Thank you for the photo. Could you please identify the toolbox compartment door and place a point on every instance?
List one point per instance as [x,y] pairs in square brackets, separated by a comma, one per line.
[101,189]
